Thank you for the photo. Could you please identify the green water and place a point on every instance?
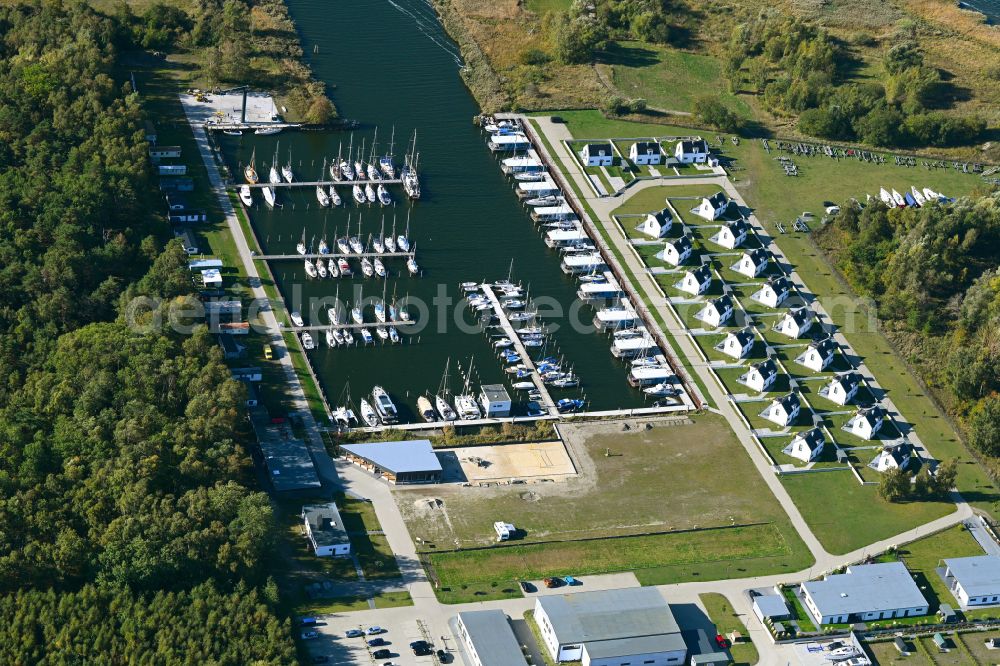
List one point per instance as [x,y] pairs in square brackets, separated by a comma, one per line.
[390,64]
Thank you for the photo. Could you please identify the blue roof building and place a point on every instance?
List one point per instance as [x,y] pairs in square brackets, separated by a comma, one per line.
[412,461]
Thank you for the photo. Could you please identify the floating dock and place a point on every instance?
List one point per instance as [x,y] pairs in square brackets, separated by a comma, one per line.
[335,255]
[324,183]
[340,327]
[547,402]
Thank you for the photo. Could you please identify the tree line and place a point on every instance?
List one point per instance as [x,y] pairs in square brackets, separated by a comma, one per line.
[131,529]
[935,275]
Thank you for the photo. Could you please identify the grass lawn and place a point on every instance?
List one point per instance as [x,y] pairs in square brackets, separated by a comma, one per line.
[655,198]
[845,516]
[666,78]
[542,6]
[922,557]
[492,573]
[886,654]
[720,611]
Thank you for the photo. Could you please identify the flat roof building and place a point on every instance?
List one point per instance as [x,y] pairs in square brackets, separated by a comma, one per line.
[495,400]
[610,627]
[975,581]
[865,592]
[412,461]
[326,530]
[488,638]
[289,464]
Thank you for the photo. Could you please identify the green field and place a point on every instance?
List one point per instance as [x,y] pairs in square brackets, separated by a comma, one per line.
[542,6]
[656,560]
[666,78]
[726,620]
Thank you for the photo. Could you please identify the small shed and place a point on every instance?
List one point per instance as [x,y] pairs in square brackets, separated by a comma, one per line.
[947,614]
[710,659]
[171,169]
[211,277]
[901,646]
[940,641]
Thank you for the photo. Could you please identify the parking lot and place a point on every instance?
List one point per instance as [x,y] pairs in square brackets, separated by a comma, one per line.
[401,630]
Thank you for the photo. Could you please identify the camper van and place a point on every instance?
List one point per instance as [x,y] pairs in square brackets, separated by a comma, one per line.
[504,530]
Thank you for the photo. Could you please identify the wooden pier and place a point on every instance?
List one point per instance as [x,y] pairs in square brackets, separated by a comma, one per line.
[354,327]
[324,183]
[508,329]
[335,255]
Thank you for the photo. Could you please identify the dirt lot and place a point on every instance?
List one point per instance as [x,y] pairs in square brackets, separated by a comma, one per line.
[677,475]
[502,464]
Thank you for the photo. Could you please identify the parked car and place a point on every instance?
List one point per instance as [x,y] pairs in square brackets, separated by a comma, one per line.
[381,654]
[373,631]
[422,652]
[721,641]
[307,621]
[354,633]
[444,657]
[571,581]
[309,635]
[375,642]
[527,587]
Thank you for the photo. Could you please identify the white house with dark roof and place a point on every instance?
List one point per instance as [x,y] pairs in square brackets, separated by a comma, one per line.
[597,154]
[760,376]
[645,152]
[974,581]
[796,323]
[752,263]
[895,456]
[866,422]
[806,446]
[712,208]
[737,344]
[696,281]
[819,355]
[774,292]
[842,388]
[783,410]
[863,593]
[691,151]
[716,312]
[610,627]
[676,252]
[732,234]
[325,530]
[656,224]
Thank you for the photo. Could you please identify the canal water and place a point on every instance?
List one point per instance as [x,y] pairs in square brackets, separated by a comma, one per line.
[389,64]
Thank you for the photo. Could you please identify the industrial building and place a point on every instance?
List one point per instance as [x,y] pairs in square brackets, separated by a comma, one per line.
[488,638]
[412,461]
[864,592]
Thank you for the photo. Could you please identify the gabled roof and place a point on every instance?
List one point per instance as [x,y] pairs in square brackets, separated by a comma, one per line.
[788,402]
[595,148]
[702,274]
[779,284]
[398,457]
[744,335]
[682,244]
[766,368]
[812,438]
[661,216]
[899,452]
[825,347]
[758,256]
[718,200]
[871,414]
[644,147]
[847,381]
[800,315]
[738,227]
[721,304]
[694,146]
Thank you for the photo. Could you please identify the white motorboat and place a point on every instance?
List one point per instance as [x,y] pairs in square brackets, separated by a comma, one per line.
[898,199]
[307,341]
[310,268]
[531,176]
[245,195]
[321,269]
[403,240]
[357,315]
[269,196]
[331,339]
[366,336]
[334,197]
[264,131]
[324,247]
[348,336]
[359,194]
[384,197]
[382,333]
[333,314]
[355,243]
[322,197]
[344,266]
[514,304]
[426,409]
[469,286]
[370,193]
[394,335]
[918,195]
[296,318]
[366,267]
[523,386]
[368,414]
[467,408]
[411,265]
[661,389]
[411,183]
[344,416]
[570,381]
[379,267]
[550,200]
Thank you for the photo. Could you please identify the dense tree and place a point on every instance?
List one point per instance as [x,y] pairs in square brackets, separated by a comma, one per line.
[894,485]
[711,111]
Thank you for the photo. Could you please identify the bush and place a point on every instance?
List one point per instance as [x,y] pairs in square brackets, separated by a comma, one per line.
[534,57]
[711,111]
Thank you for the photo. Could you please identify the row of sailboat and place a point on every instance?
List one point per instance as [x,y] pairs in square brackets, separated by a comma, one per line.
[914,198]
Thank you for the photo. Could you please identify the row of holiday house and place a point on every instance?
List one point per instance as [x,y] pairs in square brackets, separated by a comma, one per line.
[648,153]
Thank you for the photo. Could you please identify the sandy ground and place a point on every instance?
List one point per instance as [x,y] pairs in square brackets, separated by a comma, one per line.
[507,463]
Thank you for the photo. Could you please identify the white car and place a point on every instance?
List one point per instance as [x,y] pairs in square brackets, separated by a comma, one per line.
[373,631]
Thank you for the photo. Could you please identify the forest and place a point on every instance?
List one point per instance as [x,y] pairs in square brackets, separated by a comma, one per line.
[131,528]
[934,273]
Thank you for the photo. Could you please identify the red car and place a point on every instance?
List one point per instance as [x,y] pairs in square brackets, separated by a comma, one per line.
[721,641]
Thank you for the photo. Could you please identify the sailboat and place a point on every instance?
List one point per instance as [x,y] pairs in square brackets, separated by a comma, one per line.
[426,409]
[273,176]
[411,265]
[335,167]
[354,242]
[385,162]
[380,308]
[342,243]
[321,268]
[334,197]
[344,415]
[409,174]
[384,197]
[324,248]
[331,339]
[321,196]
[310,268]
[370,193]
[245,195]
[269,196]
[359,194]
[394,335]
[286,171]
[301,246]
[344,266]
[465,402]
[366,336]
[345,165]
[359,166]
[348,336]
[390,240]
[250,170]
[331,266]
[403,240]
[898,199]
[379,267]
[368,413]
[441,399]
[357,315]
[372,169]
[382,333]
[366,267]
[379,243]
[918,196]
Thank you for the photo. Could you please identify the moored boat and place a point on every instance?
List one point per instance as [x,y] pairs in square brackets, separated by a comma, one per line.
[245,195]
[426,409]
[368,414]
[307,341]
